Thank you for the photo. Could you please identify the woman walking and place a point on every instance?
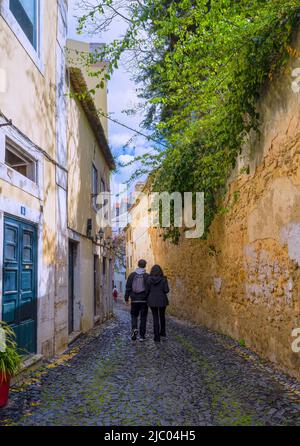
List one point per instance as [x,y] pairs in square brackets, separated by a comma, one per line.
[157,291]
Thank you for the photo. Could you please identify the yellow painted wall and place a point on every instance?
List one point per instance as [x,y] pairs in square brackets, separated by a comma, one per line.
[77,52]
[87,284]
[83,153]
[29,99]
[138,240]
[15,193]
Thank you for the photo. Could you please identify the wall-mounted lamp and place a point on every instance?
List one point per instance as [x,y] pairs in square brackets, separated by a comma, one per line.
[100,235]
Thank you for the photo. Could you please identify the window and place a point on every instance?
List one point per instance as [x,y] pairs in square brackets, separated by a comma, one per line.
[26,14]
[25,19]
[95,186]
[17,160]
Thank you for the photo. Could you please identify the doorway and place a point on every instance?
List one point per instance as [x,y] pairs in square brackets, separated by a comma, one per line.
[19,306]
[96,286]
[72,264]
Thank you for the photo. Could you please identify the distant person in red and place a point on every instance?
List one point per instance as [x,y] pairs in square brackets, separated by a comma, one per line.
[115,294]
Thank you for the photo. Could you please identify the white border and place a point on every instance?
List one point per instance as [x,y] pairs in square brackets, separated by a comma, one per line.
[35,55]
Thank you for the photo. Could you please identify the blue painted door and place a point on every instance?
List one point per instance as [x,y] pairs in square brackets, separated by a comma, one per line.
[19,307]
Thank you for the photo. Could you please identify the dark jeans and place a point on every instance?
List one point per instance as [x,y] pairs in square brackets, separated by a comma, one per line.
[139,309]
[159,322]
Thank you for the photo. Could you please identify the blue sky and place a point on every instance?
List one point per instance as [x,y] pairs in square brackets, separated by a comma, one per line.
[121,96]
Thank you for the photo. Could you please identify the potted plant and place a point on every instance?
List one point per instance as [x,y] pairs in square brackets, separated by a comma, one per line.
[10,360]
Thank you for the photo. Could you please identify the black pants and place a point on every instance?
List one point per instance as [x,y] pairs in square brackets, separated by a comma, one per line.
[159,322]
[139,309]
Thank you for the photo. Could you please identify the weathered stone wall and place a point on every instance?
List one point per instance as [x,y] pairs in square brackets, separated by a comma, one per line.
[244,281]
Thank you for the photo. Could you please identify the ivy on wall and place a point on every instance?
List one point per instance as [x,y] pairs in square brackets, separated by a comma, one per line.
[202,66]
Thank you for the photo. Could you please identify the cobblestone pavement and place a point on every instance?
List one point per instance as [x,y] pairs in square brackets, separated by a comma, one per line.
[196,377]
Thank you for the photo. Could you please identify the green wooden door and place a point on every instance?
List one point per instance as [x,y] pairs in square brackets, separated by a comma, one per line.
[19,306]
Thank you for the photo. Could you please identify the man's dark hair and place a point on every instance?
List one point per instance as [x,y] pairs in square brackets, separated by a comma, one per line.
[142,263]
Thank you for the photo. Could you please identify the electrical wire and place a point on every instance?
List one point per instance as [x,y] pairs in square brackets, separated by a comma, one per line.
[9,123]
[105,115]
[150,138]
[30,143]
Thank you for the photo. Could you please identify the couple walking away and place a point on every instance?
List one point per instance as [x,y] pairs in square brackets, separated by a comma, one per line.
[147,290]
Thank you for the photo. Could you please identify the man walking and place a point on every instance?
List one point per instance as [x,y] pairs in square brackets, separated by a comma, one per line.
[136,289]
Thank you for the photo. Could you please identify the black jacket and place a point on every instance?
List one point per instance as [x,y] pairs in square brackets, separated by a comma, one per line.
[157,290]
[135,297]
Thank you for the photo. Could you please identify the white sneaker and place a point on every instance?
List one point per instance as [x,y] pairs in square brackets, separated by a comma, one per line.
[134,335]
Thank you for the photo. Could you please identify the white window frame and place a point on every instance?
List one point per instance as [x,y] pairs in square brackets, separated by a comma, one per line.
[19,152]
[36,55]
[11,176]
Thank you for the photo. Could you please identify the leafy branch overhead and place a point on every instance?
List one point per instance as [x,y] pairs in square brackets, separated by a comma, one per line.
[201,66]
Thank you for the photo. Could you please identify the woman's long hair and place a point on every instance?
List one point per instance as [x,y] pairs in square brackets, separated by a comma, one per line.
[156,270]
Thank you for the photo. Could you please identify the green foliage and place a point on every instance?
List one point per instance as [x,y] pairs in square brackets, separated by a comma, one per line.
[242,342]
[202,66]
[10,360]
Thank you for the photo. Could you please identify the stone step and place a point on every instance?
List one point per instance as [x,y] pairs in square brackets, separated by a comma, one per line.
[29,364]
